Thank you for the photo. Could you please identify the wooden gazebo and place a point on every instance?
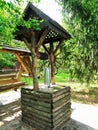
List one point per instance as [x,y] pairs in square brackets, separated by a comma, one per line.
[50,33]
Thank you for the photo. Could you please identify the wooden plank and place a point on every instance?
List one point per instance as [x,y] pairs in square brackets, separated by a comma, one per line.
[41,113]
[11,86]
[47,110]
[40,107]
[35,124]
[35,101]
[63,108]
[61,124]
[14,50]
[60,90]
[38,120]
[61,96]
[61,102]
[7,81]
[38,98]
[37,94]
[7,76]
[26,112]
[62,119]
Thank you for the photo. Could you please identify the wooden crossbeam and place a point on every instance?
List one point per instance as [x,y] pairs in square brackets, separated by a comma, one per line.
[41,40]
[22,61]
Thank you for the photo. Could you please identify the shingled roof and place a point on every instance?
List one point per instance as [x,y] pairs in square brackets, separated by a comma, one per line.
[56,32]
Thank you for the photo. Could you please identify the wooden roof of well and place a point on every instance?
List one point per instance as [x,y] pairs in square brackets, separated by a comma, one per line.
[56,32]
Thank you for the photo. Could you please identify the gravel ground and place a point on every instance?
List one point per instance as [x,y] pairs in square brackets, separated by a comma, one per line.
[84,117]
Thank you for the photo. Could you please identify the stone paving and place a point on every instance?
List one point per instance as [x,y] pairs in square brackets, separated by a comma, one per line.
[84,117]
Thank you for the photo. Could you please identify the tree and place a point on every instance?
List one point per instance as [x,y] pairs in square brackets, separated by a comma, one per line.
[81,53]
[10,18]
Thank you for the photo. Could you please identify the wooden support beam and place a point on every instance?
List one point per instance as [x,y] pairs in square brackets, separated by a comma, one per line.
[29,63]
[42,38]
[27,43]
[52,63]
[46,48]
[58,46]
[20,73]
[22,61]
[34,62]
[32,47]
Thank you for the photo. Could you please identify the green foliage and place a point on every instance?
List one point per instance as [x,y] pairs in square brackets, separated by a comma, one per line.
[7,60]
[81,53]
[32,23]
[10,18]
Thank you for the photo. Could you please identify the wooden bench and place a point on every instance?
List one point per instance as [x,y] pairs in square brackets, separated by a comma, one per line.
[7,78]
[9,81]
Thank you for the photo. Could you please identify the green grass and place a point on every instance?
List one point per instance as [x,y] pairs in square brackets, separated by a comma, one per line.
[29,81]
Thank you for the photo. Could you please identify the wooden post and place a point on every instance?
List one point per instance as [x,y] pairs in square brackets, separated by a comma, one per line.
[51,59]
[34,62]
[32,48]
[20,73]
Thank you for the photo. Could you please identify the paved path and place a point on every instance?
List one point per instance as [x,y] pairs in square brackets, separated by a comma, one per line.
[84,117]
[86,114]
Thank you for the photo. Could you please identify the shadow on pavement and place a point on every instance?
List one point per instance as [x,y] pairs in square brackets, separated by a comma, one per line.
[10,115]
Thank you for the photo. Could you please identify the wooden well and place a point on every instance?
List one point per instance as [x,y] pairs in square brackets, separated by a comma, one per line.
[46,109]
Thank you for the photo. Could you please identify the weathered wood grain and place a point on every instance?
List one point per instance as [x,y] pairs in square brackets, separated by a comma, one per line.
[46,110]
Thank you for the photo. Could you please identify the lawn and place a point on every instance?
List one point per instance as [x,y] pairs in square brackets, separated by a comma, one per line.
[79,92]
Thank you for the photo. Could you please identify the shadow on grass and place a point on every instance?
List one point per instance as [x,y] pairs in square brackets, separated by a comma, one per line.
[89,96]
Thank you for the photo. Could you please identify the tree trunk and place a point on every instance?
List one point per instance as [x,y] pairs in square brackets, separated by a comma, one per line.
[32,47]
[34,63]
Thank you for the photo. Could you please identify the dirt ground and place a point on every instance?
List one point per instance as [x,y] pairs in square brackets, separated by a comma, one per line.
[83,117]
